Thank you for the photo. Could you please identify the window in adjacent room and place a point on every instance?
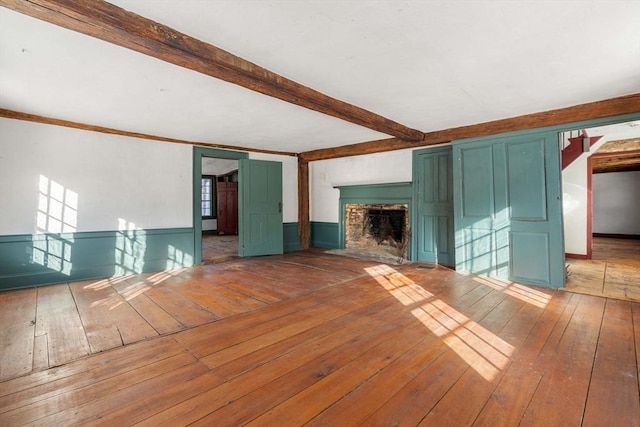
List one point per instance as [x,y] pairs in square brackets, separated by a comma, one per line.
[208,197]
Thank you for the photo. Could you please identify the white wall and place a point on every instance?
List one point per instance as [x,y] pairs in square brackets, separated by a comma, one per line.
[574,206]
[616,203]
[289,183]
[393,166]
[107,179]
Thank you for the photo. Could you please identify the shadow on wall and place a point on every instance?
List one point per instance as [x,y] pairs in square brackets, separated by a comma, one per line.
[57,252]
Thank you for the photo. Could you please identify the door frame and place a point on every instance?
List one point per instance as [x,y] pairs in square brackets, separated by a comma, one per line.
[198,154]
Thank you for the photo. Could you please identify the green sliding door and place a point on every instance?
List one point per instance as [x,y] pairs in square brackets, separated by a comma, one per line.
[508,210]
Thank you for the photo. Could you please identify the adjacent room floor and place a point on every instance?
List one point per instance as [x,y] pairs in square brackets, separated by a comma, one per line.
[219,248]
[316,339]
[613,271]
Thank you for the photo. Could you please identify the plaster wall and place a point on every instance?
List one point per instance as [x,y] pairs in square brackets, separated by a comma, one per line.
[110,181]
[101,182]
[574,205]
[616,203]
[324,175]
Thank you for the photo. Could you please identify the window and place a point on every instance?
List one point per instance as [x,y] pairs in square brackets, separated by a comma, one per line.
[208,197]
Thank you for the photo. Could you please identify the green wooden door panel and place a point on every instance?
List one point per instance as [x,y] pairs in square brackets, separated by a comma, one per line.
[476,165]
[526,180]
[260,190]
[508,216]
[524,248]
[434,195]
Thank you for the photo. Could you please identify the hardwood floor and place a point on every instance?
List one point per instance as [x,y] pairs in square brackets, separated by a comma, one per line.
[316,339]
[613,271]
[217,249]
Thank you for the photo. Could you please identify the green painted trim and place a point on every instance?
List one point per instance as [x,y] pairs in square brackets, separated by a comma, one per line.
[396,190]
[325,235]
[397,193]
[90,255]
[290,237]
[198,154]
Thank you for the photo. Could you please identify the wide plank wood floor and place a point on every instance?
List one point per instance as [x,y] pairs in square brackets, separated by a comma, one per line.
[315,339]
[613,271]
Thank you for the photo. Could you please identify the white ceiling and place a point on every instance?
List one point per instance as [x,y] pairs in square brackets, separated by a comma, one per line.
[429,65]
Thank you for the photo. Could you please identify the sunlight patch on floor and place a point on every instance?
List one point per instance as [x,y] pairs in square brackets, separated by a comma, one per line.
[481,349]
[523,293]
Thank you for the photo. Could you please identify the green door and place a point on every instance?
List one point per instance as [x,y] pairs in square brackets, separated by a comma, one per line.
[260,210]
[508,208]
[433,178]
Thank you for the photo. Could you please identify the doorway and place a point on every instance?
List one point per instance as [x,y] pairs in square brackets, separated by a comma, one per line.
[219,198]
[211,160]
[602,229]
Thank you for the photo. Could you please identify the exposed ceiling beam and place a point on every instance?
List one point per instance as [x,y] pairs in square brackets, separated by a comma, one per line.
[10,114]
[623,161]
[118,26]
[594,110]
[617,146]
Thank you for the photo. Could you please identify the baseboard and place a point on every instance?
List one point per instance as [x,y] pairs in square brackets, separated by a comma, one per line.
[576,256]
[617,236]
[290,238]
[325,235]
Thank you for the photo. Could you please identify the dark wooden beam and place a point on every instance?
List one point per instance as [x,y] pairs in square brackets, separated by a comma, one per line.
[594,110]
[118,26]
[10,114]
[622,161]
[304,224]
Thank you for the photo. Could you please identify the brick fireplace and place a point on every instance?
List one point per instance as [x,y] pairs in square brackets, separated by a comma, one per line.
[378,228]
[375,220]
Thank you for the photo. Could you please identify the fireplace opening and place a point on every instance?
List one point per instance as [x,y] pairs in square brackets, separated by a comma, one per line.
[385,224]
[381,229]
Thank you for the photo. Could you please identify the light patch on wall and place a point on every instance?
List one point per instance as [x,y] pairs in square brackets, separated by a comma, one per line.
[177,259]
[131,246]
[570,201]
[56,220]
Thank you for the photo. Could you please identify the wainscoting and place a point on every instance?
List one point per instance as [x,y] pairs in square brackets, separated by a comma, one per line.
[40,259]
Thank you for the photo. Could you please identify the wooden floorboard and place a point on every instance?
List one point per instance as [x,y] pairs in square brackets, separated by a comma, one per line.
[57,317]
[561,394]
[613,389]
[17,318]
[316,339]
[613,271]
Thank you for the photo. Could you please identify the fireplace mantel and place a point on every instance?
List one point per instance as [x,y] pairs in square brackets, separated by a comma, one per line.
[389,193]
